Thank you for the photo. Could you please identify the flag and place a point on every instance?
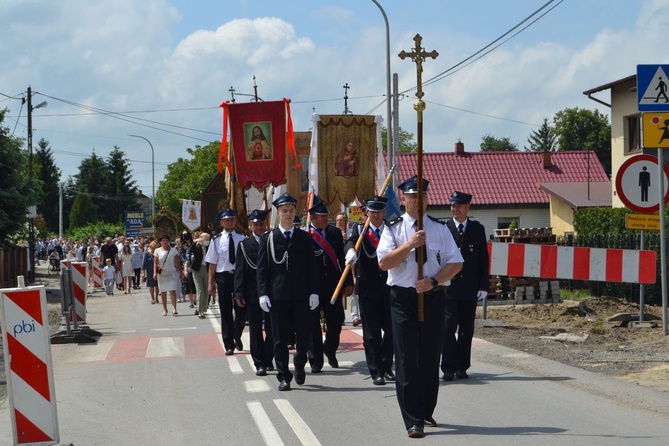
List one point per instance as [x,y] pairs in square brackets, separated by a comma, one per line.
[190,213]
[392,206]
[380,165]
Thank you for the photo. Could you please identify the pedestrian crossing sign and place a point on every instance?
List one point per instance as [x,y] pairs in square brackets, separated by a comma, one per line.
[652,87]
[655,129]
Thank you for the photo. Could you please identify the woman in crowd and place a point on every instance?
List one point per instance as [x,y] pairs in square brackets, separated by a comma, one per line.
[167,271]
[126,267]
[198,270]
[147,271]
[187,284]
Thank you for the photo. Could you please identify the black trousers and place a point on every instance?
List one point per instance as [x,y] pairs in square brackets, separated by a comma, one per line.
[457,353]
[334,319]
[262,347]
[231,329]
[289,316]
[136,280]
[417,350]
[377,335]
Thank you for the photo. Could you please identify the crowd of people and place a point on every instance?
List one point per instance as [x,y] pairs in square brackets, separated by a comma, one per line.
[281,282]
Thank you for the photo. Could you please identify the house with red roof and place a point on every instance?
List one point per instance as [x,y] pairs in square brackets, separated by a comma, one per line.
[506,186]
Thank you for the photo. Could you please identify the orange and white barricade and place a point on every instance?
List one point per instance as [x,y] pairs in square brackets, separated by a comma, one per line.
[32,396]
[97,272]
[79,287]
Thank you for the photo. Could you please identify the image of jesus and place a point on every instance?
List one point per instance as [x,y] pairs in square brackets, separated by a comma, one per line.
[258,148]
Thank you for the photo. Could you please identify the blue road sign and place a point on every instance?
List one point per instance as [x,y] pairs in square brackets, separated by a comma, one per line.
[652,87]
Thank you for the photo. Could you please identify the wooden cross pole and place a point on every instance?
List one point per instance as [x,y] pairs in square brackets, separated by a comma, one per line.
[418,55]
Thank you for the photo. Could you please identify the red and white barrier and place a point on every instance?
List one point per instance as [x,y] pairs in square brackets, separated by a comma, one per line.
[570,262]
[98,281]
[80,287]
[25,336]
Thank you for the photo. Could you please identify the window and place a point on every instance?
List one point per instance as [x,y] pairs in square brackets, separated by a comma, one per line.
[506,222]
[632,133]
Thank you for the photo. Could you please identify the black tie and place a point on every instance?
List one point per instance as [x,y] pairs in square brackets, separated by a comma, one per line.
[231,249]
[287,235]
[461,229]
[424,248]
[378,233]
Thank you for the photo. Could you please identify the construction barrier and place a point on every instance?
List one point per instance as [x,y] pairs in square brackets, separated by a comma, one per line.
[571,262]
[79,288]
[98,282]
[25,335]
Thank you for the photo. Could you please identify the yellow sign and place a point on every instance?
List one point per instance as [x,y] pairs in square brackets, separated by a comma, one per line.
[355,214]
[655,130]
[649,222]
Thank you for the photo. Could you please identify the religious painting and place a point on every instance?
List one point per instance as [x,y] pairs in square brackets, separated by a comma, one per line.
[258,140]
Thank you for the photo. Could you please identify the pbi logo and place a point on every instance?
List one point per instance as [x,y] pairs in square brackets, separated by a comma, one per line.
[24,327]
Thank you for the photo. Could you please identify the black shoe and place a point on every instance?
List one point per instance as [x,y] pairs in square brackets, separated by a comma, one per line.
[300,375]
[285,385]
[260,371]
[430,422]
[461,374]
[239,345]
[196,312]
[269,368]
[448,376]
[379,381]
[390,377]
[229,351]
[416,431]
[332,360]
[316,369]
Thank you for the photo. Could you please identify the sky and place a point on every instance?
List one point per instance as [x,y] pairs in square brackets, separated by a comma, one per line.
[160,68]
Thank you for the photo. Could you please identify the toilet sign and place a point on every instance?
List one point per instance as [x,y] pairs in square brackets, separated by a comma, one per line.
[636,184]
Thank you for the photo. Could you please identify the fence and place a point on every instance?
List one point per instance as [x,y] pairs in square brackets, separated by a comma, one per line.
[13,263]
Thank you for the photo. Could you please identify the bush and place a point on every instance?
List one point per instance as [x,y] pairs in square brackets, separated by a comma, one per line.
[99,229]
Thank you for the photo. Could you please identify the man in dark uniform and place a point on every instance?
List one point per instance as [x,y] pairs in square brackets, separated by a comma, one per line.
[417,344]
[328,245]
[373,293]
[468,286]
[246,294]
[287,286]
[221,257]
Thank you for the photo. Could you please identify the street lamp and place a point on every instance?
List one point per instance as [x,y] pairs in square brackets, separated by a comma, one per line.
[153,176]
[389,133]
[31,220]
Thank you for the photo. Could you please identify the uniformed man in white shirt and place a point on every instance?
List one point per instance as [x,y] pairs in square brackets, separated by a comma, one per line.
[221,259]
[417,344]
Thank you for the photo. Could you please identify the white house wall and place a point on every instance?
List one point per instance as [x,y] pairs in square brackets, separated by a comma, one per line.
[529,217]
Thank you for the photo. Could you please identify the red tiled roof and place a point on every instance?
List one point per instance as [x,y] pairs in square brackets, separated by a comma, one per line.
[495,178]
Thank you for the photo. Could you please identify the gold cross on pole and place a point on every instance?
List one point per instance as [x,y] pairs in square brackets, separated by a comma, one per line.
[418,55]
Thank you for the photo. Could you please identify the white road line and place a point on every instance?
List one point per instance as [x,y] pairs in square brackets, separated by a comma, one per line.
[296,423]
[93,352]
[265,426]
[345,363]
[256,385]
[174,329]
[250,358]
[168,346]
[235,366]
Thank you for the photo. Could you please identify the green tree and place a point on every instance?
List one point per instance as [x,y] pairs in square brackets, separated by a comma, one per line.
[16,194]
[406,142]
[542,139]
[491,144]
[93,177]
[48,175]
[583,129]
[187,178]
[83,211]
[122,189]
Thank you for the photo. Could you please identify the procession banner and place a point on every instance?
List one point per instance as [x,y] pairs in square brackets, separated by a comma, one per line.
[190,213]
[346,158]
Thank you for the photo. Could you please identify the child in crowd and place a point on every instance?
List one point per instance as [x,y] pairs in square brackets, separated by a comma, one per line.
[109,273]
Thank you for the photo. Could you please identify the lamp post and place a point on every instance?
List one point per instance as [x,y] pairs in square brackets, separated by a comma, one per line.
[31,220]
[389,133]
[153,176]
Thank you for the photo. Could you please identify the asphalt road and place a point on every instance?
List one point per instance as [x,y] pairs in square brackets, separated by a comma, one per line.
[154,380]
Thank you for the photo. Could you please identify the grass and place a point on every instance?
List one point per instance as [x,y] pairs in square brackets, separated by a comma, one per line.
[577,295]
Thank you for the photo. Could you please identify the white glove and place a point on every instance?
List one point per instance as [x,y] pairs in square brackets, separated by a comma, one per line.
[481,295]
[265,303]
[351,257]
[313,301]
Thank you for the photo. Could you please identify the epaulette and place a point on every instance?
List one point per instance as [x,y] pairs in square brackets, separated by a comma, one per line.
[436,220]
[217,235]
[394,221]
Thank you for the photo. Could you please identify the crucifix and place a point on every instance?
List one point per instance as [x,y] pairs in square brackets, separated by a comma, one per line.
[232,93]
[418,55]
[346,110]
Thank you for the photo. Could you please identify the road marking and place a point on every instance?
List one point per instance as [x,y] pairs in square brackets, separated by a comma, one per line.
[265,426]
[174,329]
[250,358]
[517,355]
[256,385]
[235,366]
[296,423]
[165,347]
[93,352]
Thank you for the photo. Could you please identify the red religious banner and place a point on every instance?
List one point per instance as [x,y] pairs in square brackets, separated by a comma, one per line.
[259,137]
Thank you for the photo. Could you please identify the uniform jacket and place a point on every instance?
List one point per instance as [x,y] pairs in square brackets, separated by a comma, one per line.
[370,279]
[246,262]
[474,249]
[281,282]
[328,273]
